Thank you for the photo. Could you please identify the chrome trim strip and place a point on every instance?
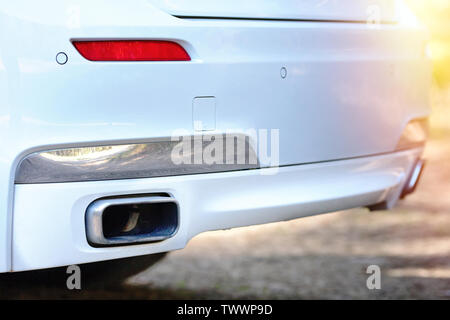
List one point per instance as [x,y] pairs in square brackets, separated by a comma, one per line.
[130,161]
[94,225]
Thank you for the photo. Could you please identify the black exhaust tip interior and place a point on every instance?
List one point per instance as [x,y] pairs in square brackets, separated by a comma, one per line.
[140,220]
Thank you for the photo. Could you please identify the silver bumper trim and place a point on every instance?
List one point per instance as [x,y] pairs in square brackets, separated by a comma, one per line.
[131,161]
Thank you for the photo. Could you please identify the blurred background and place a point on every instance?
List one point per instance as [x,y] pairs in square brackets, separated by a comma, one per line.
[325,256]
[435,14]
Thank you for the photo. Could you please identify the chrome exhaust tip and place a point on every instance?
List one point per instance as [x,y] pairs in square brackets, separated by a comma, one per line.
[413,178]
[131,220]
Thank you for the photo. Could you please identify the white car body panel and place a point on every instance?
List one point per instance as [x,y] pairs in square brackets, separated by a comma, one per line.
[350,91]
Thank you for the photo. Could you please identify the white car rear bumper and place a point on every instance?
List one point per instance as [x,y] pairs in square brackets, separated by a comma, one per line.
[49,219]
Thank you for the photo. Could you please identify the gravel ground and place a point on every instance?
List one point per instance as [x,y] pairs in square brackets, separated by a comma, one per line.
[312,258]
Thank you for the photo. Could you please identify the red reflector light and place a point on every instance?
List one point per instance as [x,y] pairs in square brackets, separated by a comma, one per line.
[131,50]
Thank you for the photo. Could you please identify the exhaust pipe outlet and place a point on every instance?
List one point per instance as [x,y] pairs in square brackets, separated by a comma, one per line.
[131,220]
[413,179]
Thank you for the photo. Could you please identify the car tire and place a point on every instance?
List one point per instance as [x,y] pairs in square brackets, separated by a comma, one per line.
[97,275]
[115,272]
